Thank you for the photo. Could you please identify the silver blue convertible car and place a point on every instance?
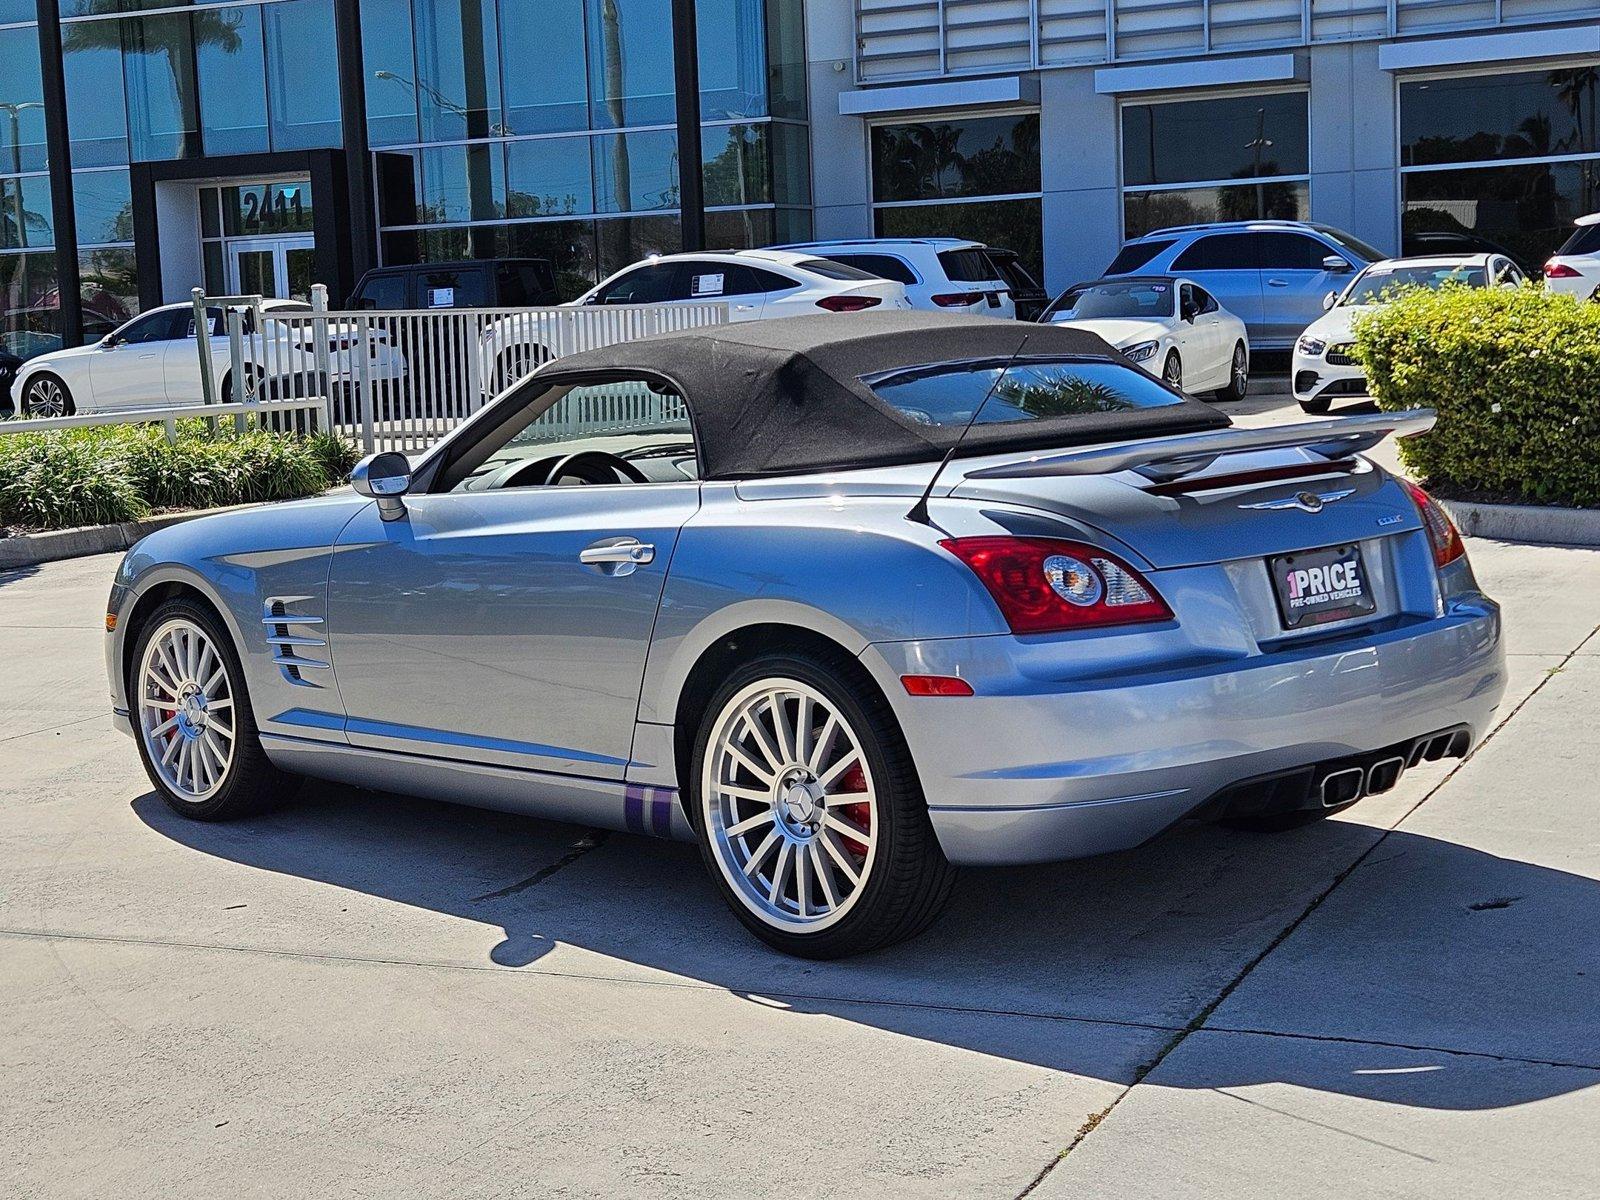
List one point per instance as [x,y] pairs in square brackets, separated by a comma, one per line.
[851,602]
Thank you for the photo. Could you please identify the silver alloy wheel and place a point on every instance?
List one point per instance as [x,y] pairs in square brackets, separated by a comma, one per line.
[46,398]
[1172,373]
[789,806]
[1241,371]
[186,713]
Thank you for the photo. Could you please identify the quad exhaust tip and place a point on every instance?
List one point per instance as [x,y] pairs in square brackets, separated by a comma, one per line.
[1343,787]
[1384,774]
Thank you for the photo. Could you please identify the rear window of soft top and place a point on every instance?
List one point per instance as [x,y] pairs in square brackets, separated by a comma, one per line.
[1031,389]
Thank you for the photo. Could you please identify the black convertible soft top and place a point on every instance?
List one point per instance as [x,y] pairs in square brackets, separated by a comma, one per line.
[787,396]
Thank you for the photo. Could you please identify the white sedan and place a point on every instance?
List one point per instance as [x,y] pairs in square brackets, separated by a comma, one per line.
[1172,327]
[153,362]
[756,285]
[1324,367]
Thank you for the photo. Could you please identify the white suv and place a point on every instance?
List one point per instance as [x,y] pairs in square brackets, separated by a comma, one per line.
[1575,268]
[940,274]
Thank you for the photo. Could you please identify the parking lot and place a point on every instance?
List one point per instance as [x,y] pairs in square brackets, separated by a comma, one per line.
[363,994]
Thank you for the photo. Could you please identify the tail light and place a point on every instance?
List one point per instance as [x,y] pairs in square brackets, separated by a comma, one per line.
[1045,585]
[1559,270]
[1442,534]
[957,299]
[849,303]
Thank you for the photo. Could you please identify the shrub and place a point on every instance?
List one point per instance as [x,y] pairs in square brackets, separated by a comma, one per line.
[1515,377]
[60,480]
[121,472]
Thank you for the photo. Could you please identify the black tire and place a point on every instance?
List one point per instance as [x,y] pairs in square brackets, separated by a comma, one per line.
[33,404]
[1315,407]
[1238,376]
[1172,371]
[251,784]
[911,880]
[1281,822]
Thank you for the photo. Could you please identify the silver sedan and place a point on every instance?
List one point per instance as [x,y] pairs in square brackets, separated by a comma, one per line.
[849,602]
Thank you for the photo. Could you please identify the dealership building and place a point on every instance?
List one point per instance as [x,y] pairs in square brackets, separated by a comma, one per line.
[260,146]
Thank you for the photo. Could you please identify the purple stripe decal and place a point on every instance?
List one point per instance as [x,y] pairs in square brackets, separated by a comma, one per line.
[661,802]
[633,808]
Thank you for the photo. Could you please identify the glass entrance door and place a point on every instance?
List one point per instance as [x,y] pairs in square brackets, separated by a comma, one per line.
[276,268]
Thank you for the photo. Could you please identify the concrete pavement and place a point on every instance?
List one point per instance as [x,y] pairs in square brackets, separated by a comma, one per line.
[367,995]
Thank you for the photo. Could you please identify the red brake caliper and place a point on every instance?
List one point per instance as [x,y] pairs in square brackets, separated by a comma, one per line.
[855,780]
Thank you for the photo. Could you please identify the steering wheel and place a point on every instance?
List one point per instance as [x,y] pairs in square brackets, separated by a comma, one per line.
[593,466]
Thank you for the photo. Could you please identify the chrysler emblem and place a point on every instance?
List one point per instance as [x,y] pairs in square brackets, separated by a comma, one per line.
[1311,502]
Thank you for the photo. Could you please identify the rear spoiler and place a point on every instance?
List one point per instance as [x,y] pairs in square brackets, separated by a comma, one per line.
[1171,458]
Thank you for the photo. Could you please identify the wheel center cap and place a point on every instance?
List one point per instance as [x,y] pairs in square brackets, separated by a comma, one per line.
[801,804]
[192,712]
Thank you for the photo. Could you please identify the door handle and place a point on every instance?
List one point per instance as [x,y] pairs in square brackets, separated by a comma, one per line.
[617,551]
[1277,283]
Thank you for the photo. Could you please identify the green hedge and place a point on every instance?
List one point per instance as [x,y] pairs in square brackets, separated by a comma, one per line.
[122,472]
[1515,377]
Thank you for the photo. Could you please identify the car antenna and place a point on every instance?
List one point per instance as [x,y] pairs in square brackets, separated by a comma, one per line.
[919,510]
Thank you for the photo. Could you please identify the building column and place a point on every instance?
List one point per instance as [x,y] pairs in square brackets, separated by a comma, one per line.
[686,80]
[58,145]
[361,236]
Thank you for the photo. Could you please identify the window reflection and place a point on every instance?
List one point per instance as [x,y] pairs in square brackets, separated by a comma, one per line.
[1523,211]
[634,171]
[1281,200]
[630,63]
[735,162]
[1228,137]
[568,245]
[1011,224]
[548,177]
[158,63]
[109,280]
[457,82]
[979,156]
[461,183]
[386,57]
[29,305]
[546,79]
[233,96]
[103,205]
[96,118]
[26,221]
[1525,114]
[302,74]
[21,102]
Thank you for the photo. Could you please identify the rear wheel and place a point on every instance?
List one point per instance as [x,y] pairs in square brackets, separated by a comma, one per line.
[1172,371]
[1238,376]
[47,396]
[192,717]
[812,822]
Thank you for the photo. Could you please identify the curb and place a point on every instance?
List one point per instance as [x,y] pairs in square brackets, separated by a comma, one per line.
[1526,523]
[31,549]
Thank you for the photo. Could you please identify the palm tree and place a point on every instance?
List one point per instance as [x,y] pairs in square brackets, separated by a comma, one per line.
[162,36]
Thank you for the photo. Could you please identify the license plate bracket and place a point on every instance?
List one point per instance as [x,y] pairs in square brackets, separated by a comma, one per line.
[1318,587]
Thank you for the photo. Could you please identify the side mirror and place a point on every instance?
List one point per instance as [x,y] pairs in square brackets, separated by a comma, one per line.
[385,478]
[1329,301]
[1335,265]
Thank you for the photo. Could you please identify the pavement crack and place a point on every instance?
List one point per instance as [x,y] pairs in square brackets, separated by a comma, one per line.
[592,840]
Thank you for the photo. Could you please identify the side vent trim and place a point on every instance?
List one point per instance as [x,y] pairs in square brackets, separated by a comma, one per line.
[292,636]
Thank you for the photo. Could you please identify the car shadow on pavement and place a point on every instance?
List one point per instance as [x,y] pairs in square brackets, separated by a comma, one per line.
[1090,967]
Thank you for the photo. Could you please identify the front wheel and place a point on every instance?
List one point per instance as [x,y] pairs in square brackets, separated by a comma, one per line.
[1238,376]
[47,396]
[193,721]
[811,820]
[1172,372]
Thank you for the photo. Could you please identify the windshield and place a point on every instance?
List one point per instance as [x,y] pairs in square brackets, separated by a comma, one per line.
[1374,285]
[1148,300]
[947,394]
[1350,242]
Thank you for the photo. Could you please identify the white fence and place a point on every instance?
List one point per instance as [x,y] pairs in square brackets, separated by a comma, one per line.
[401,380]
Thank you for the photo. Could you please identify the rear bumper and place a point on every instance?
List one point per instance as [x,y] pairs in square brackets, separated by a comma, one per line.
[1035,769]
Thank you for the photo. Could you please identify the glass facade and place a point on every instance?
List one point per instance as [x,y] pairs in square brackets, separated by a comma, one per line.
[1501,162]
[1182,161]
[548,127]
[28,323]
[973,177]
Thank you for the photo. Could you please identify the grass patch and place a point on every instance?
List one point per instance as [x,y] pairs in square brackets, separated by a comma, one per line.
[112,473]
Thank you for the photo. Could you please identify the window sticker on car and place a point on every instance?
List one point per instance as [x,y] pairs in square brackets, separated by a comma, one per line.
[706,285]
[1158,287]
[444,297]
